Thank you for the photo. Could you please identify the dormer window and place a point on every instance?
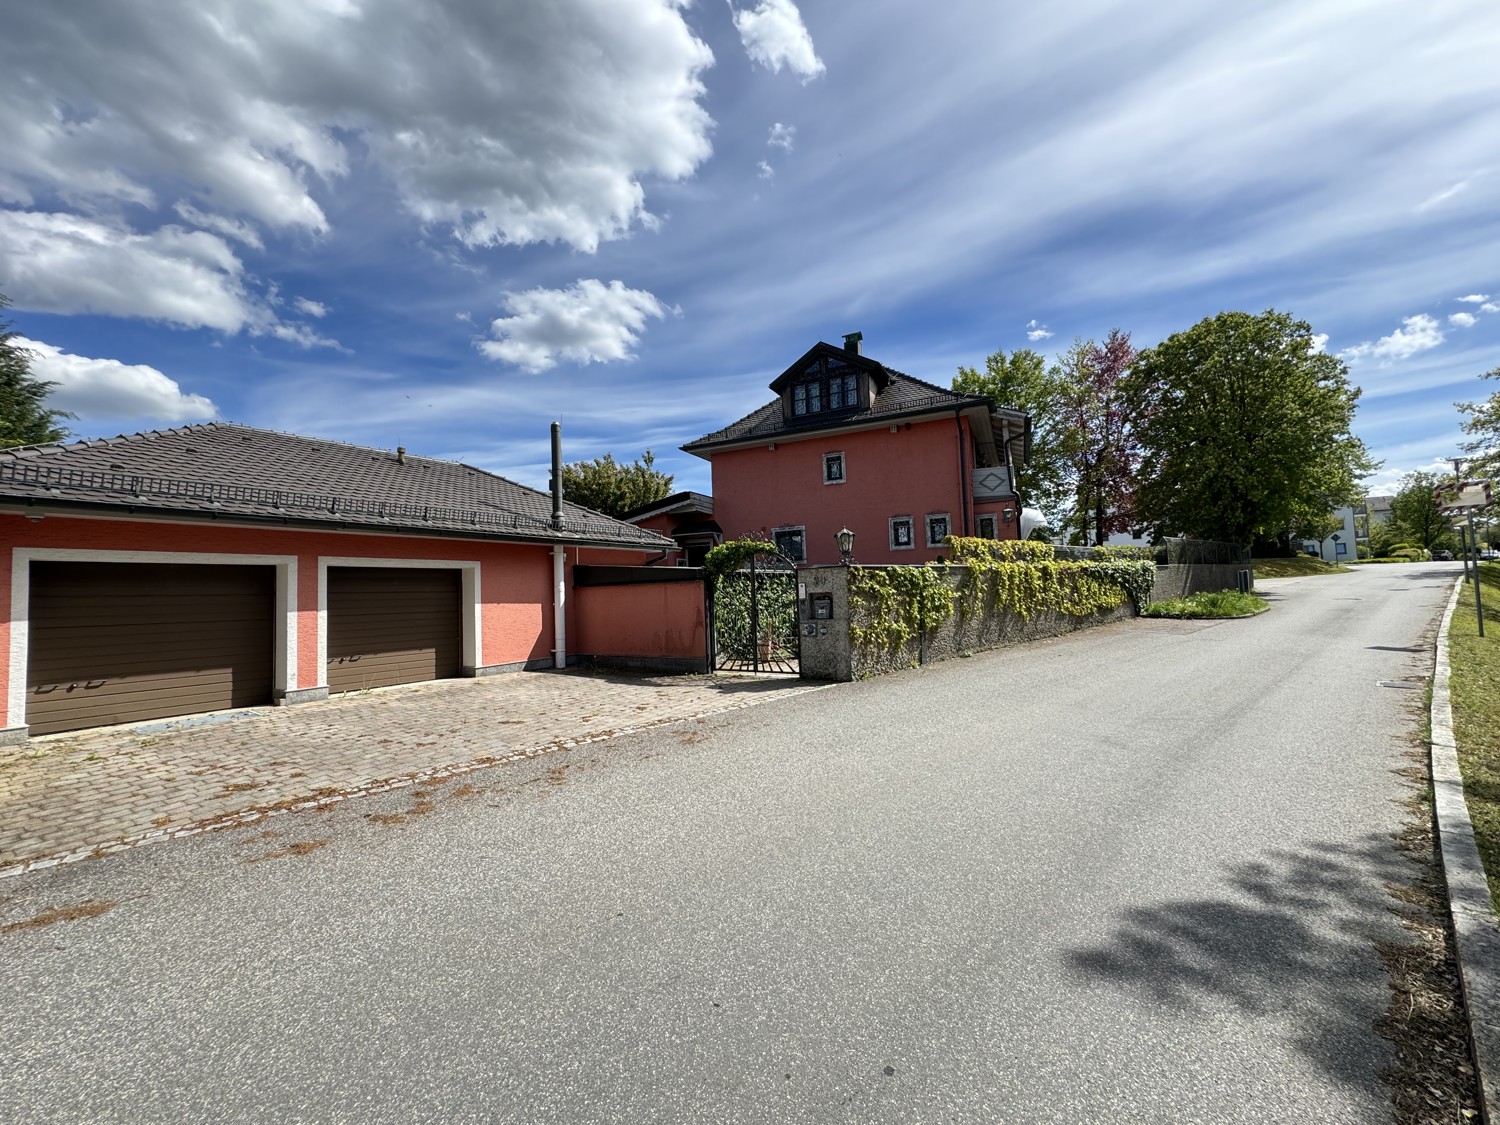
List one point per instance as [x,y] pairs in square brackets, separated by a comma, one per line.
[833,392]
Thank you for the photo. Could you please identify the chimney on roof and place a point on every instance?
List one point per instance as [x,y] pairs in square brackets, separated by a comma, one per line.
[400,454]
[851,341]
[557,511]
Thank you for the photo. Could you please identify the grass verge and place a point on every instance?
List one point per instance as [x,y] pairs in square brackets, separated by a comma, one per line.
[1220,603]
[1294,568]
[1475,684]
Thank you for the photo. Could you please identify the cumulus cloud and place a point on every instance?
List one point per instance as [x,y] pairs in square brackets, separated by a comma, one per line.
[1473,299]
[588,322]
[63,263]
[1463,320]
[1489,306]
[782,136]
[309,307]
[1416,334]
[507,121]
[775,36]
[1319,343]
[765,170]
[1037,332]
[107,388]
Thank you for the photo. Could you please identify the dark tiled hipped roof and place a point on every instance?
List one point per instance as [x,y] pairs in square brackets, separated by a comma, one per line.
[901,396]
[221,469]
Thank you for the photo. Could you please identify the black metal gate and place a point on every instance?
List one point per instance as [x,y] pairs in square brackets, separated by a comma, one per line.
[754,619]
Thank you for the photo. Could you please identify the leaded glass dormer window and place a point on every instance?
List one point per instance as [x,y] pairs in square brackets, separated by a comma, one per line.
[825,386]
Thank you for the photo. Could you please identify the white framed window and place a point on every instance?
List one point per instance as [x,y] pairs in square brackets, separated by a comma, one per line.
[791,542]
[987,526]
[833,468]
[903,537]
[937,528]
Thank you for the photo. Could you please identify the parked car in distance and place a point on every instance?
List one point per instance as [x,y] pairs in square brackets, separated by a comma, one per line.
[1489,554]
[1442,556]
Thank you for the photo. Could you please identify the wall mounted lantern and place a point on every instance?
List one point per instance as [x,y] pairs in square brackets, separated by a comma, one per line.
[846,545]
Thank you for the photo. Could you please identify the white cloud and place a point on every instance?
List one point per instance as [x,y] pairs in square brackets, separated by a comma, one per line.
[1319,343]
[229,228]
[1416,334]
[1473,299]
[107,388]
[508,121]
[1442,196]
[69,264]
[765,170]
[1463,320]
[309,307]
[588,322]
[1037,332]
[775,36]
[782,136]
[300,334]
[1489,307]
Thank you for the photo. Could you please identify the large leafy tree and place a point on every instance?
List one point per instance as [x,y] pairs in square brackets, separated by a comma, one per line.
[614,487]
[24,416]
[1245,429]
[1098,441]
[1414,510]
[1022,381]
[1483,428]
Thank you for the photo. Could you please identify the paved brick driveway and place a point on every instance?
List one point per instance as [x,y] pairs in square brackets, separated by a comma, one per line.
[70,796]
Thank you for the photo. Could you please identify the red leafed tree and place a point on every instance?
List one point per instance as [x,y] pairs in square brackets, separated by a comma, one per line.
[1099,441]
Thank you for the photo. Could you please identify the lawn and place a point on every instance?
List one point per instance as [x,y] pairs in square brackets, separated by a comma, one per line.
[1475,685]
[1222,603]
[1295,568]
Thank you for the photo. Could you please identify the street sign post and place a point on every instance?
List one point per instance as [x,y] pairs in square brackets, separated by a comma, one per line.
[1467,496]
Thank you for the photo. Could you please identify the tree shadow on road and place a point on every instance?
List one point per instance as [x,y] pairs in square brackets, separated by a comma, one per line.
[1294,935]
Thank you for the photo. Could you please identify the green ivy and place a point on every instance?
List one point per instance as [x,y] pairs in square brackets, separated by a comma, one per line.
[897,603]
[728,557]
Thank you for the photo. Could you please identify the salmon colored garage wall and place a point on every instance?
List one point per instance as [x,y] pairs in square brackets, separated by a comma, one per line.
[658,622]
[515,580]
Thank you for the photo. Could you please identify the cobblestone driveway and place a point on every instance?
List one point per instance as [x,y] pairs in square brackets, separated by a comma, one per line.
[70,796]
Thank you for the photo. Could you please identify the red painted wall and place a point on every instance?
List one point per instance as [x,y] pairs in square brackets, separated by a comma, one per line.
[515,580]
[649,619]
[912,472]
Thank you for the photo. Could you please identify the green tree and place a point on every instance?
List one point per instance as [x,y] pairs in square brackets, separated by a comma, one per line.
[1244,428]
[1021,381]
[1416,514]
[614,488]
[1483,427]
[24,417]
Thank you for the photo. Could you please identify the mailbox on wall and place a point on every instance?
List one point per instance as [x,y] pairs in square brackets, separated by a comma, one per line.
[822,607]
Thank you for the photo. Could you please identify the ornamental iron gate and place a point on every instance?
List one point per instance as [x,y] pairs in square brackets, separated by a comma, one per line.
[754,618]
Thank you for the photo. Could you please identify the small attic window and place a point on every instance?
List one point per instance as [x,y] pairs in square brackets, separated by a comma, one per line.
[825,385]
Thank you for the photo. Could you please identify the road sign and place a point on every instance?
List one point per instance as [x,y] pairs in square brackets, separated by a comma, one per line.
[1470,495]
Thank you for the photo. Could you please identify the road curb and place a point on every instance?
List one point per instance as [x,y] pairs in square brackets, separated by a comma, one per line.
[1476,931]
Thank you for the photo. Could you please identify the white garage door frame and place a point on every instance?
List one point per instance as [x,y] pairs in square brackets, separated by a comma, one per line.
[473,631]
[284,654]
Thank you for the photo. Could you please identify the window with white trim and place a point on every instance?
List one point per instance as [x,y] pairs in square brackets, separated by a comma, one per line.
[987,526]
[937,529]
[902,537]
[791,542]
[833,468]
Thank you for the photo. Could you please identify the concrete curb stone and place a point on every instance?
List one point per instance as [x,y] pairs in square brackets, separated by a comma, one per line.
[1476,930]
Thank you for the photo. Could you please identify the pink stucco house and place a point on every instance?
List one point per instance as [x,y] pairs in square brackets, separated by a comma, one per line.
[848,442]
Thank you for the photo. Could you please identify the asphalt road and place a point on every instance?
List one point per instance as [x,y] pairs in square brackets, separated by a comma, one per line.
[1134,875]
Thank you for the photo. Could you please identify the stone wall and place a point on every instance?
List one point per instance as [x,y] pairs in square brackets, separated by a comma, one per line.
[1180,581]
[829,654]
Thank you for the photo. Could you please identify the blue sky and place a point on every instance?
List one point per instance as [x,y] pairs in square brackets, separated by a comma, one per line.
[443,223]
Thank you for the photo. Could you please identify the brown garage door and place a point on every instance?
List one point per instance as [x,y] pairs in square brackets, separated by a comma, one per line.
[393,625]
[124,642]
